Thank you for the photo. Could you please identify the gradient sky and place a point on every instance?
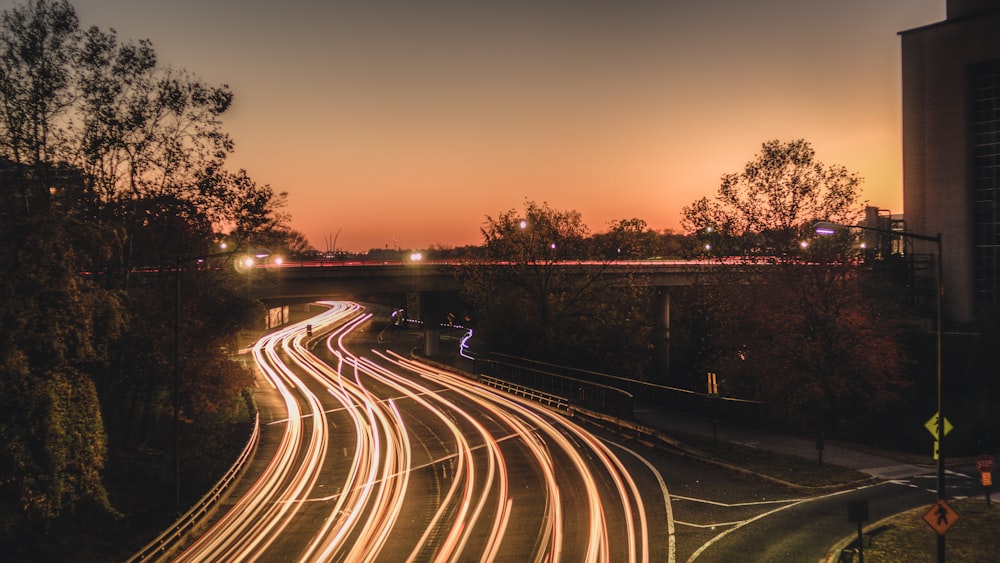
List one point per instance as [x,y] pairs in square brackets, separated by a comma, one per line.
[406,123]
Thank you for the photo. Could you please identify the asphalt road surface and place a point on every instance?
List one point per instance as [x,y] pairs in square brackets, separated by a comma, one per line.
[383,459]
[367,455]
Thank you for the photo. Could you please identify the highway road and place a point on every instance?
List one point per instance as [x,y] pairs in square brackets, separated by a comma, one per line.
[385,459]
[367,455]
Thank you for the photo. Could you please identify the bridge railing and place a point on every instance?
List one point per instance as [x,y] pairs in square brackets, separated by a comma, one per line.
[589,394]
[708,263]
[549,399]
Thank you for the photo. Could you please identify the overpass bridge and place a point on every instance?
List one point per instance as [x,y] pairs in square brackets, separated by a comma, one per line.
[341,279]
[426,283]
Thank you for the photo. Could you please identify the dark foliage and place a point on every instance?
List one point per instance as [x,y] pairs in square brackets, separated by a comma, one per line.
[112,182]
[529,304]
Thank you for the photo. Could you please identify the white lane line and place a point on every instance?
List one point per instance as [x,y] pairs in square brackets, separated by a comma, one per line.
[737,504]
[671,537]
[711,526]
[763,515]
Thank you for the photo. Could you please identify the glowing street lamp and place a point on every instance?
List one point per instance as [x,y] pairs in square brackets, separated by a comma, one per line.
[249,261]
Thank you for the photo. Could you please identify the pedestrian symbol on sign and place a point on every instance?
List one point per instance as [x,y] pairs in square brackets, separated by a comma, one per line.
[941,517]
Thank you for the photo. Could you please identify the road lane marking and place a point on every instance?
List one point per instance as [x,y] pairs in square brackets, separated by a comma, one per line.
[671,537]
[763,515]
[737,504]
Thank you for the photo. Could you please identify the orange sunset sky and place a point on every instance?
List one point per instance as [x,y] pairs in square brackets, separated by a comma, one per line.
[405,123]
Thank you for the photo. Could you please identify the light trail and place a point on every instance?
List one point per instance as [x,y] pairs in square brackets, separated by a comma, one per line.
[515,480]
[556,427]
[267,508]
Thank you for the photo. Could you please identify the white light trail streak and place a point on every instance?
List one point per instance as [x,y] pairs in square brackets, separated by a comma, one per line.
[570,485]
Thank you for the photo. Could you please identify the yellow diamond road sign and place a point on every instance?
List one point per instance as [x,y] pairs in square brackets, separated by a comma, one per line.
[941,517]
[932,426]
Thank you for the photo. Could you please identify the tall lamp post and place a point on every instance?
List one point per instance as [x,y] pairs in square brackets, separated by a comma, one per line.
[829,228]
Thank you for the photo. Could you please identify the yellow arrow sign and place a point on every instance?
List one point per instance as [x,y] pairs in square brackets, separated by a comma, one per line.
[932,426]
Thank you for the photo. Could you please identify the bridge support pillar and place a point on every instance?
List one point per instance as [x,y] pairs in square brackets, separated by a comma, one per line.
[661,333]
[430,309]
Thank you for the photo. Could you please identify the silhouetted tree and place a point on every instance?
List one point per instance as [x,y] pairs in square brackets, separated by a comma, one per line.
[147,133]
[37,57]
[765,208]
[251,214]
[142,133]
[55,329]
[625,239]
[805,333]
[530,304]
[110,160]
[813,341]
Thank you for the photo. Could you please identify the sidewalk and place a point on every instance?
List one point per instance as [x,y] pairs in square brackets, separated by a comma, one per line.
[882,467]
[834,453]
[885,467]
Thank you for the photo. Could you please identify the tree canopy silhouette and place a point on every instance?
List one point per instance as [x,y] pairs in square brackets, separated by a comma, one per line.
[774,200]
[110,161]
[528,304]
[811,334]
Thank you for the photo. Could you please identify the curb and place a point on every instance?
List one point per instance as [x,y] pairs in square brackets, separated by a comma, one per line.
[678,447]
[847,541]
[667,443]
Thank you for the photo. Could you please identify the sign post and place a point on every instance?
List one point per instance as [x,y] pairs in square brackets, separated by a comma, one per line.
[939,427]
[985,466]
[713,405]
[857,511]
[941,516]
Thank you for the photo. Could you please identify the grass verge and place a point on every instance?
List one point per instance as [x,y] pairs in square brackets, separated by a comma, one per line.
[907,537]
[795,470]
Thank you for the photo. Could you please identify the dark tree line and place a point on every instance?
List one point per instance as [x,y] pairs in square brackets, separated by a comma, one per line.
[826,344]
[832,341]
[531,306]
[112,166]
[822,341]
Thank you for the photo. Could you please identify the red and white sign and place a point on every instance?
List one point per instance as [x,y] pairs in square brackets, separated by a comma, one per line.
[985,463]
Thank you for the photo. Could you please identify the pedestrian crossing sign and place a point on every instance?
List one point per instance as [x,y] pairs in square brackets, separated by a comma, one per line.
[941,516]
[932,426]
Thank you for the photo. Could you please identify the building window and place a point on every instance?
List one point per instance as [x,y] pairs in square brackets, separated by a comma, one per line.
[984,88]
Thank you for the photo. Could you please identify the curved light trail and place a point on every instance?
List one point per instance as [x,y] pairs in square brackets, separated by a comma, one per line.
[382,458]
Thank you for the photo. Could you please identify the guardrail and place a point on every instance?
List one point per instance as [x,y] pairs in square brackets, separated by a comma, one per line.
[578,391]
[171,537]
[730,410]
[526,392]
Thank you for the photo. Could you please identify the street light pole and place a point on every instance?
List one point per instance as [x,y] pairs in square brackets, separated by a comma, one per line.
[828,228]
[177,377]
[940,413]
